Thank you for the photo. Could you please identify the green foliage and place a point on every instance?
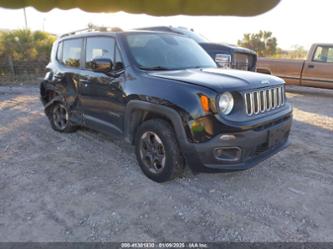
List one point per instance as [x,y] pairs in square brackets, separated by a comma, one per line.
[2,48]
[25,45]
[263,43]
[266,46]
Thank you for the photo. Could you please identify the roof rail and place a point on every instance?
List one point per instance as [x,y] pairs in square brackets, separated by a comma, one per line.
[93,28]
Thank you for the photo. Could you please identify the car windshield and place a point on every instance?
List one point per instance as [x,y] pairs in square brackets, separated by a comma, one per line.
[167,52]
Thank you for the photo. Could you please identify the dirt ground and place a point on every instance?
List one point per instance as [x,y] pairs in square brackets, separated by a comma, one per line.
[87,186]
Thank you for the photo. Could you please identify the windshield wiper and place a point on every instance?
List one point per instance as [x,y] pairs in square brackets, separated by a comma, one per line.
[156,68]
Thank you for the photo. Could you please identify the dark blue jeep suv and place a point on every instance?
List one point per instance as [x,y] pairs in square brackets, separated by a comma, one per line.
[164,94]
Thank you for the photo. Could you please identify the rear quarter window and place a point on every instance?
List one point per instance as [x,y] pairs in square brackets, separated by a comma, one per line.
[59,52]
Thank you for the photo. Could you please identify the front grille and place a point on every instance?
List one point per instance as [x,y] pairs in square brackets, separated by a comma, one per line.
[242,61]
[264,100]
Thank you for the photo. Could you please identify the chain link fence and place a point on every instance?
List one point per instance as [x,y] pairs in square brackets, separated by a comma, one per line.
[22,72]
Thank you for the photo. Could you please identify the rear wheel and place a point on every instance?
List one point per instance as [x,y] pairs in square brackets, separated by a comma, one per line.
[60,118]
[157,151]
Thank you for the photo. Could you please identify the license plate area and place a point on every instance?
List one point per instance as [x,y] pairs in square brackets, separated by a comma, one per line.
[276,136]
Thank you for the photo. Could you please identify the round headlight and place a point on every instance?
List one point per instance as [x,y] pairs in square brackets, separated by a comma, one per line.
[226,103]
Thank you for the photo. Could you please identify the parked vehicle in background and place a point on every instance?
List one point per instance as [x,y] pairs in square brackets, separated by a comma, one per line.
[164,94]
[225,55]
[315,71]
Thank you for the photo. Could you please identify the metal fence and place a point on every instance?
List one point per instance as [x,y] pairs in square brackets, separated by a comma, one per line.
[22,72]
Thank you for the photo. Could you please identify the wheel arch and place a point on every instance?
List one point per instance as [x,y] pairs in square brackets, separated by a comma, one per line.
[47,93]
[138,111]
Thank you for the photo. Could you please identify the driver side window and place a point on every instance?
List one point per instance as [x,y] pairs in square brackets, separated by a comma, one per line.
[323,54]
[99,47]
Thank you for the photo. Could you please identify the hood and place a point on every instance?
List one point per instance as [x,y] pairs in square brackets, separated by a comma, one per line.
[220,79]
[226,47]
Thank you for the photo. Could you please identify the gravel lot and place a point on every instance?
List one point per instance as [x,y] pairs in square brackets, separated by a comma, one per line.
[87,186]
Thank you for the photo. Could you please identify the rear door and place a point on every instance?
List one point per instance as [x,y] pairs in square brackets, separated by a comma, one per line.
[318,71]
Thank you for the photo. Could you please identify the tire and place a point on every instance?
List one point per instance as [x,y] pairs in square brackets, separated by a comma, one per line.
[157,151]
[59,117]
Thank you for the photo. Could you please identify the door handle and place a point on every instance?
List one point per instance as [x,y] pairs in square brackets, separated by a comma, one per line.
[311,66]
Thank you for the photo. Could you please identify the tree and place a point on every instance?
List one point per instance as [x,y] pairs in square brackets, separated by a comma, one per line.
[1,44]
[24,51]
[25,45]
[263,43]
[298,52]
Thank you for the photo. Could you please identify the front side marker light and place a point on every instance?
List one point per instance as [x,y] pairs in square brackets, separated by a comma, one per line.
[204,103]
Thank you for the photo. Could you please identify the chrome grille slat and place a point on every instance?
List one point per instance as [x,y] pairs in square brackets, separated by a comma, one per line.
[263,100]
[272,96]
[277,97]
[258,101]
[270,99]
[252,103]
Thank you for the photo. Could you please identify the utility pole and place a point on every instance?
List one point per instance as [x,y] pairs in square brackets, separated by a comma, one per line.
[25,18]
[43,27]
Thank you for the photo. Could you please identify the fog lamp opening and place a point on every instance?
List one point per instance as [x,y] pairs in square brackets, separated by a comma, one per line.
[228,154]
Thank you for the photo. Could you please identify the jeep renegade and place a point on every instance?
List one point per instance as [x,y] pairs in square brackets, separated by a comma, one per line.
[164,94]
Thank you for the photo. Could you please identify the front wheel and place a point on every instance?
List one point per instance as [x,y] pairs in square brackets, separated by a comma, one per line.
[157,151]
[59,117]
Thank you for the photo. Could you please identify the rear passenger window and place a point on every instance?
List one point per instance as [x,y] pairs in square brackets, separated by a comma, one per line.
[99,47]
[72,52]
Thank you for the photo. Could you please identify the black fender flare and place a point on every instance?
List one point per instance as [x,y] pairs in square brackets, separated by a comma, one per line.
[165,111]
[44,87]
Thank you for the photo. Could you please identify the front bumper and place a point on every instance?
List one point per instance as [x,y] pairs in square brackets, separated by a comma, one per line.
[254,146]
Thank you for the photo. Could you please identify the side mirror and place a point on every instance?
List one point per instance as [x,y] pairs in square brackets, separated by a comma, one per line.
[102,65]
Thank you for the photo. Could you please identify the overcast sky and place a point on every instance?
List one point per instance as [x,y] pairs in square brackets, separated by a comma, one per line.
[301,22]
